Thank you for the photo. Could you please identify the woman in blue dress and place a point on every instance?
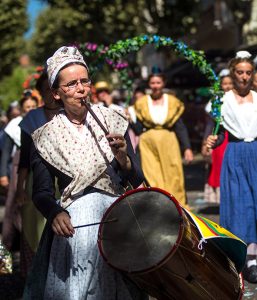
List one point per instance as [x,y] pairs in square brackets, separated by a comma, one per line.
[238,182]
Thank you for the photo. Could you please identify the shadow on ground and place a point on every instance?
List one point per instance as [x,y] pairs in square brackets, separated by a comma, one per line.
[209,210]
[195,175]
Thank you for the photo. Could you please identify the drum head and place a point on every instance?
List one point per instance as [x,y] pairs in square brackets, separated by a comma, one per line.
[148,224]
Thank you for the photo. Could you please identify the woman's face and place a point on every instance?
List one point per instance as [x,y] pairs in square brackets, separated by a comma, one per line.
[156,84]
[71,91]
[226,83]
[29,105]
[243,76]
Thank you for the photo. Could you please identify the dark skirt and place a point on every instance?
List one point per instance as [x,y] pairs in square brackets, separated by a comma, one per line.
[238,190]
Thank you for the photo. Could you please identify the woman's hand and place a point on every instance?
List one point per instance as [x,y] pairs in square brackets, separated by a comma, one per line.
[211,140]
[188,155]
[205,151]
[62,226]
[118,145]
[4,181]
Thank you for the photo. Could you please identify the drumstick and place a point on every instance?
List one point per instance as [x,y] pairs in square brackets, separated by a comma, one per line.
[98,223]
[106,132]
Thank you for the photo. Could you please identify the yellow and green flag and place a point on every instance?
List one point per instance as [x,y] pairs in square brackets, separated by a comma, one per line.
[229,243]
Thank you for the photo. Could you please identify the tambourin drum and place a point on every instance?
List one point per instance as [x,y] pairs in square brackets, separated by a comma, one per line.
[148,236]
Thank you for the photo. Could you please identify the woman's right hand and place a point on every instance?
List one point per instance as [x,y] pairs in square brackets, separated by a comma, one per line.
[62,226]
[211,140]
[205,151]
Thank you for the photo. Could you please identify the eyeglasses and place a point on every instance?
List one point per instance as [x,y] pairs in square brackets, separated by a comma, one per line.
[74,83]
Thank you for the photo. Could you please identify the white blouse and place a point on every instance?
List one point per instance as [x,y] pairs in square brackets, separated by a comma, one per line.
[248,112]
[158,113]
[240,119]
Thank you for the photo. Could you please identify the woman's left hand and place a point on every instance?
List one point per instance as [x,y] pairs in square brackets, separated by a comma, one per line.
[188,155]
[118,145]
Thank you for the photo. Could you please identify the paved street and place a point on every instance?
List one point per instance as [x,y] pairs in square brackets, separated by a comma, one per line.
[11,286]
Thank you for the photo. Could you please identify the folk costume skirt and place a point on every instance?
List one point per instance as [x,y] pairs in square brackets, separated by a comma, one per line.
[162,163]
[75,269]
[238,190]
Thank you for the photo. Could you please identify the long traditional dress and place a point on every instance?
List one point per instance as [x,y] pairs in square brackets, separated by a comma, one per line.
[32,220]
[159,147]
[89,179]
[238,205]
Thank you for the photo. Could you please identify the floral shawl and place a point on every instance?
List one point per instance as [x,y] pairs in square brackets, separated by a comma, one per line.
[83,158]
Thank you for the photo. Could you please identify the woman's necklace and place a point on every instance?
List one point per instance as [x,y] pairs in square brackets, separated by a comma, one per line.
[77,123]
[80,124]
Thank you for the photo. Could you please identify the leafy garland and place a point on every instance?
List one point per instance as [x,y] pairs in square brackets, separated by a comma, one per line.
[96,51]
[114,53]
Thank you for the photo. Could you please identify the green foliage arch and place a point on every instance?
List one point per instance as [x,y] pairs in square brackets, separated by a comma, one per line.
[116,52]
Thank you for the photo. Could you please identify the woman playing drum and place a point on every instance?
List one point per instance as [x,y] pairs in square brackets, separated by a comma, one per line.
[90,168]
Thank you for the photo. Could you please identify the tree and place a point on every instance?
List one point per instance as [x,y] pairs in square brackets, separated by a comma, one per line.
[52,32]
[11,87]
[13,25]
[241,12]
[101,21]
[105,22]
[172,18]
[163,17]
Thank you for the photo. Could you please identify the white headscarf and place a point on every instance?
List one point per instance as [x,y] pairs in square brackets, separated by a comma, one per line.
[62,57]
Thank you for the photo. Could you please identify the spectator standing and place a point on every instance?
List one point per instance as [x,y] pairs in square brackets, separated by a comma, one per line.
[160,127]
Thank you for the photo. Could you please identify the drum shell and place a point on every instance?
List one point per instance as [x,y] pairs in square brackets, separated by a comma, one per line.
[191,273]
[188,271]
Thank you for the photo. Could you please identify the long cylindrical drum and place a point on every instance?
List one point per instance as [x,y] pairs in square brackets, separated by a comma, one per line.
[154,242]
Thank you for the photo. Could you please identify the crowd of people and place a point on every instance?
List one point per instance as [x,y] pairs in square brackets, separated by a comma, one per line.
[64,163]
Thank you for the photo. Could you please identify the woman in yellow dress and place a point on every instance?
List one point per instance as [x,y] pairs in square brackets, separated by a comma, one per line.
[162,133]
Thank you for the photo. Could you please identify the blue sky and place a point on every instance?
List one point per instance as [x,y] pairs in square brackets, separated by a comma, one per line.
[34,8]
